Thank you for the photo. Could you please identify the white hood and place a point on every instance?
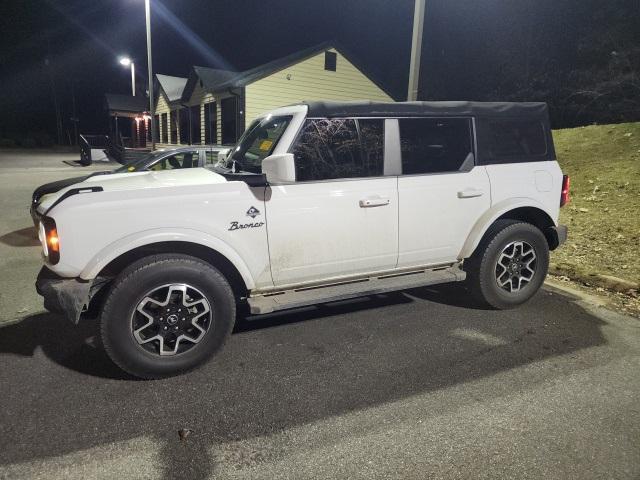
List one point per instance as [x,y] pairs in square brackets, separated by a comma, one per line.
[139,180]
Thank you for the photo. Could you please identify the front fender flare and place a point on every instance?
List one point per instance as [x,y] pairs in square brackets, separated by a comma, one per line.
[491,215]
[147,237]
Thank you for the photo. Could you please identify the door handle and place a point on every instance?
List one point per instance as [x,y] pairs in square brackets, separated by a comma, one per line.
[373,202]
[470,193]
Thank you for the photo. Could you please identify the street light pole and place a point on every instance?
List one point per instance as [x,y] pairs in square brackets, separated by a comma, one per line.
[133,79]
[147,11]
[416,50]
[127,62]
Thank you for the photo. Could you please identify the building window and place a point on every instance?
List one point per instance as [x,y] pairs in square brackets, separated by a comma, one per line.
[330,61]
[163,128]
[194,125]
[156,128]
[229,120]
[183,118]
[210,123]
[174,127]
[432,145]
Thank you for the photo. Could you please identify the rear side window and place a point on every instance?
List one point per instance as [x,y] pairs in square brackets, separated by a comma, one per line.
[434,145]
[177,161]
[522,138]
[339,148]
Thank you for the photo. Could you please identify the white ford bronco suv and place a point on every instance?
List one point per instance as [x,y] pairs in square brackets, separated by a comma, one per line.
[317,202]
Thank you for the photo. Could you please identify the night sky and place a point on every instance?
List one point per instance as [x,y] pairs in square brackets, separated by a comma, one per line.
[81,40]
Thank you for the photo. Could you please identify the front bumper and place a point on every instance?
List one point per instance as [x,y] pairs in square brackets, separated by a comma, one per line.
[35,216]
[66,296]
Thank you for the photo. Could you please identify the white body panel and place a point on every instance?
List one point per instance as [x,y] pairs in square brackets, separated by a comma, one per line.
[191,205]
[518,185]
[437,213]
[319,230]
[539,181]
[133,181]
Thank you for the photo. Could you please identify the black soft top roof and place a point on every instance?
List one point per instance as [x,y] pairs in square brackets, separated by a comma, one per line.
[409,109]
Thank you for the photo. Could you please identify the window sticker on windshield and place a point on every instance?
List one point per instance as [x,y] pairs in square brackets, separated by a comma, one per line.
[266,145]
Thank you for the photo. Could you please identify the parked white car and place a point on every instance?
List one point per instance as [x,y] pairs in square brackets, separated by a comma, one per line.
[318,202]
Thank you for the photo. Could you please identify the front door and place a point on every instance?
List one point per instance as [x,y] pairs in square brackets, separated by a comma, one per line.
[340,217]
[441,193]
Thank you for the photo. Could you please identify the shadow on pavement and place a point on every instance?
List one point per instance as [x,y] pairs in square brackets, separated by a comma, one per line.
[25,237]
[276,372]
[453,294]
[74,347]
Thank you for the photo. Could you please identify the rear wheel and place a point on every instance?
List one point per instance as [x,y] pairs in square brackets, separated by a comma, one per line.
[509,265]
[165,315]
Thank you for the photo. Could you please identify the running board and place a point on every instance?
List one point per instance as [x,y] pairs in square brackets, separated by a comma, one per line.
[334,292]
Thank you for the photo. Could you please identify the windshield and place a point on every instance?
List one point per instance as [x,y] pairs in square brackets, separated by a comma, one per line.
[141,163]
[255,144]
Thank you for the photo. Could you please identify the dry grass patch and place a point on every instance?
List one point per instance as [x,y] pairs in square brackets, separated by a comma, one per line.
[604,214]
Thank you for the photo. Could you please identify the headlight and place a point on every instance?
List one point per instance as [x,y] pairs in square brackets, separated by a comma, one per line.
[48,234]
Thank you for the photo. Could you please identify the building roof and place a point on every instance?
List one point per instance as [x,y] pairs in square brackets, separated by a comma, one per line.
[212,77]
[408,109]
[214,80]
[126,103]
[209,79]
[171,86]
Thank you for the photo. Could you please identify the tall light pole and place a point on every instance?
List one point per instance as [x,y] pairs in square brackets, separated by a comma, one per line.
[127,62]
[147,11]
[416,50]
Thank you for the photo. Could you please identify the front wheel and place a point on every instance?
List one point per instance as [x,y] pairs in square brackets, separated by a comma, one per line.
[165,315]
[509,265]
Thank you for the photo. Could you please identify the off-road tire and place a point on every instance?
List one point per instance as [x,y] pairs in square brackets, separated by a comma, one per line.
[130,287]
[481,266]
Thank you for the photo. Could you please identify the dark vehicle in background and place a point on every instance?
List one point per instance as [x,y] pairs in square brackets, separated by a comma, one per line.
[189,156]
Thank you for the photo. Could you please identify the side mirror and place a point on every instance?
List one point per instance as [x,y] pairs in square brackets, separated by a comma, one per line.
[279,168]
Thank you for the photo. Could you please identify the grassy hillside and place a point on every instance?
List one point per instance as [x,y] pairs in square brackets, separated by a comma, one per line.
[604,214]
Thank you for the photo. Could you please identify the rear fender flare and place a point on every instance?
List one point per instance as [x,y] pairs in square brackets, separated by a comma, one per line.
[490,216]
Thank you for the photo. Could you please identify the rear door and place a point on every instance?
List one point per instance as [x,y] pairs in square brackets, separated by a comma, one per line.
[442,193]
[340,217]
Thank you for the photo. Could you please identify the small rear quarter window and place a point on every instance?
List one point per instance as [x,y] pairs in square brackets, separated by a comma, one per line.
[517,138]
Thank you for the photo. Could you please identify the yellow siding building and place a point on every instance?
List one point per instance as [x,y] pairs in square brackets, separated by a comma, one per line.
[214,106]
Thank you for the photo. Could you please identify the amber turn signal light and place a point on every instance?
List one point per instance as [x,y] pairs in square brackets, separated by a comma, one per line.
[51,239]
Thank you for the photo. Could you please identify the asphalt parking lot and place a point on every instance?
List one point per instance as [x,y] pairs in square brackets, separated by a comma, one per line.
[420,384]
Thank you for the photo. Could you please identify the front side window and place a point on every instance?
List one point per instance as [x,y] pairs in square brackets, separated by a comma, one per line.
[434,145]
[256,143]
[339,148]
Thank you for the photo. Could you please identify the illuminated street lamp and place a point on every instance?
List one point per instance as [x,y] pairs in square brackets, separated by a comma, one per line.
[127,62]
